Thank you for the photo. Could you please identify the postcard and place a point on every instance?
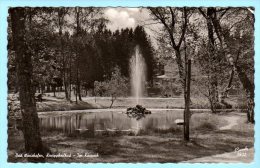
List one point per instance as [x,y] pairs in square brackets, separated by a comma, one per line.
[123,84]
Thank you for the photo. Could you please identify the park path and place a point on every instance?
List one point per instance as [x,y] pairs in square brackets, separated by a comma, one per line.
[232,121]
[240,155]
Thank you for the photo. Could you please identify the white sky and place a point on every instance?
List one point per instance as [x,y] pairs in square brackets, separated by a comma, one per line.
[121,17]
[129,17]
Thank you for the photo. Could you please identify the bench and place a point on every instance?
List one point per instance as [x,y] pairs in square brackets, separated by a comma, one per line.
[38,97]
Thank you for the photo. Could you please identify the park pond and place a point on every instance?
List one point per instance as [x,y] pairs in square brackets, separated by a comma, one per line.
[106,122]
[92,124]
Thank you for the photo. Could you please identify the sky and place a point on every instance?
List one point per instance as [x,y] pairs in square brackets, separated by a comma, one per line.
[130,17]
[122,17]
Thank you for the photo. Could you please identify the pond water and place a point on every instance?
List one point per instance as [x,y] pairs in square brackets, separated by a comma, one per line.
[108,122]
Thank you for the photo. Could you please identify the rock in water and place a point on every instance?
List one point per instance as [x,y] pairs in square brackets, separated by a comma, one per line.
[137,112]
[147,111]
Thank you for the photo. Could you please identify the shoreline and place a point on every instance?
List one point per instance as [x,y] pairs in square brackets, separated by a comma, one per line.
[96,110]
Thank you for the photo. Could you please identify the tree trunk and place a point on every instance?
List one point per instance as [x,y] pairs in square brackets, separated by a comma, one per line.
[224,94]
[78,86]
[76,94]
[42,88]
[77,10]
[250,109]
[186,125]
[112,101]
[69,75]
[54,91]
[180,67]
[31,131]
[249,88]
[79,91]
[61,14]
[213,90]
[48,88]
[66,91]
[69,86]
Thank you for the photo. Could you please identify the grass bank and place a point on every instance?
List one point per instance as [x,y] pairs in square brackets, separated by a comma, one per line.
[58,103]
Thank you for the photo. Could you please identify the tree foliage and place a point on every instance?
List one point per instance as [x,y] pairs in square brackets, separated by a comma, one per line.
[114,87]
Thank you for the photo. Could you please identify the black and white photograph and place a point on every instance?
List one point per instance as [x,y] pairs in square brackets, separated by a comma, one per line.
[131,85]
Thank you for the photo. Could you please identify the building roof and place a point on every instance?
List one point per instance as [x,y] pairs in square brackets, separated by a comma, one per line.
[164,77]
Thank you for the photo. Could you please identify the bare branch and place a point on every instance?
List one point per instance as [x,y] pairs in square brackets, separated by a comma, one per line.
[224,12]
[159,16]
[203,13]
[184,26]
[173,19]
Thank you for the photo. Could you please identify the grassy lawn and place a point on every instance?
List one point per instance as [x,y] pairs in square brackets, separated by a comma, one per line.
[58,103]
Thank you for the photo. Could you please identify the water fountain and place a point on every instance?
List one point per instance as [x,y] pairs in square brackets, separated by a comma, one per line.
[138,75]
[138,79]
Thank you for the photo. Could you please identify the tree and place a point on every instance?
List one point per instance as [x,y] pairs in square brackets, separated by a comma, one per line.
[242,72]
[227,41]
[62,12]
[87,21]
[212,59]
[114,87]
[175,31]
[23,59]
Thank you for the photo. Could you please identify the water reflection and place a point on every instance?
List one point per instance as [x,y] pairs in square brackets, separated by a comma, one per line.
[104,122]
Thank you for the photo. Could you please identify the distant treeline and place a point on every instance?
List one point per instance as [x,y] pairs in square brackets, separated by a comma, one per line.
[79,58]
